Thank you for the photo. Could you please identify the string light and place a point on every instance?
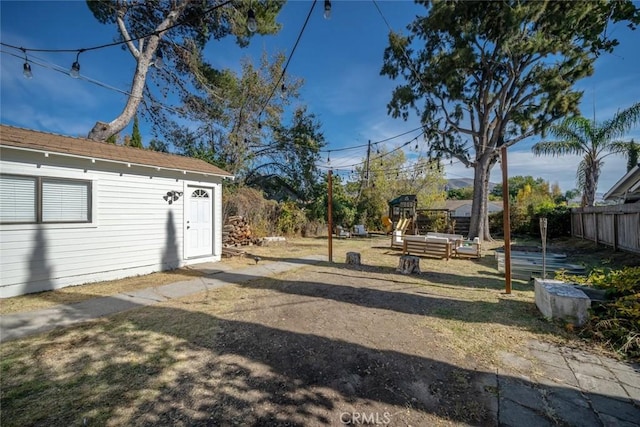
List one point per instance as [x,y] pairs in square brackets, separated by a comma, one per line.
[295,45]
[252,24]
[26,71]
[159,62]
[75,67]
[26,68]
[327,9]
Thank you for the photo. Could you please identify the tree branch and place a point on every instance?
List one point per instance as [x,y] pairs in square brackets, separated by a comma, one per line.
[125,35]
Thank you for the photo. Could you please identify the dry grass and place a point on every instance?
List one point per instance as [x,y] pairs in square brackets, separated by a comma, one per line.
[277,349]
[75,294]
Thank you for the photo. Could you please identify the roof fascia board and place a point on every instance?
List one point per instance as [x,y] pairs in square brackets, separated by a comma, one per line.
[120,162]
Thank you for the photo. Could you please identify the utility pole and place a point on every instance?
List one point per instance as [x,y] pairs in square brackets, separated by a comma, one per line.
[368,159]
[366,170]
[330,213]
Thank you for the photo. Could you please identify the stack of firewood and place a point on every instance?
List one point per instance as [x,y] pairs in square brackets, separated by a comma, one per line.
[237,232]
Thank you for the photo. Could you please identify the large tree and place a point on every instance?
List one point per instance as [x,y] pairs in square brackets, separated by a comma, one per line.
[174,31]
[244,123]
[593,141]
[486,75]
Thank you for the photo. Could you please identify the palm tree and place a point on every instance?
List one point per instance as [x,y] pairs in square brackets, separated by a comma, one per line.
[594,141]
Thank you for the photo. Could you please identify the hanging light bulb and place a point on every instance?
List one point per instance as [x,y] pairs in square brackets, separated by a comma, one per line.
[75,70]
[327,9]
[26,71]
[26,68]
[252,24]
[159,62]
[75,67]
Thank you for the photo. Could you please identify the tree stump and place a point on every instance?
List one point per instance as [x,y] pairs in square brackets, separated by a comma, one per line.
[409,264]
[353,258]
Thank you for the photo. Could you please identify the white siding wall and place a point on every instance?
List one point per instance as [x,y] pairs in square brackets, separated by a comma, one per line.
[134,230]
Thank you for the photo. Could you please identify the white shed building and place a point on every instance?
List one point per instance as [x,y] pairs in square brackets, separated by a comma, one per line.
[74,211]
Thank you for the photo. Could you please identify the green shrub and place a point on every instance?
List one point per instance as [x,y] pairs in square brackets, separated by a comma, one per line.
[615,323]
[558,221]
[291,219]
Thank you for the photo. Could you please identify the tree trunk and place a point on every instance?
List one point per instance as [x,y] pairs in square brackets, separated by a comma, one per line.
[101,130]
[590,185]
[478,226]
[408,264]
[353,258]
[147,49]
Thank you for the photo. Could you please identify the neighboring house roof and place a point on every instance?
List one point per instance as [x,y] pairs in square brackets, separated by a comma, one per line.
[627,188]
[31,140]
[453,205]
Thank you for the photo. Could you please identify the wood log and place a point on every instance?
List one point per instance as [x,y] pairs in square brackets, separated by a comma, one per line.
[408,264]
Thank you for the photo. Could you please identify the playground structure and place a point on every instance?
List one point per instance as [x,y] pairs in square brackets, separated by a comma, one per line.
[403,213]
[405,216]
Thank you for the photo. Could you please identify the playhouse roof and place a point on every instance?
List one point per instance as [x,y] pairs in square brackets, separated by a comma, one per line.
[404,198]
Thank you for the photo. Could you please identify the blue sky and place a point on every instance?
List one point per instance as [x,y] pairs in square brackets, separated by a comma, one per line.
[339,59]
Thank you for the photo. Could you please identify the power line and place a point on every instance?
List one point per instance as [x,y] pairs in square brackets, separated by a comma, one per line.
[354,147]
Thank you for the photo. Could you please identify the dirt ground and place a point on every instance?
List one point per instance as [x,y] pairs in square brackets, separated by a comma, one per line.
[326,344]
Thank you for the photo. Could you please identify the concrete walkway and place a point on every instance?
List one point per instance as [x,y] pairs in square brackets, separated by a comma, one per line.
[19,325]
[567,387]
[552,386]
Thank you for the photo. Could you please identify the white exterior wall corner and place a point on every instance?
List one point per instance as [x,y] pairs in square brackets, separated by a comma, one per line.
[134,231]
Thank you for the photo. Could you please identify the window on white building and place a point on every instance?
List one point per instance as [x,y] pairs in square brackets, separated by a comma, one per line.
[17,198]
[27,199]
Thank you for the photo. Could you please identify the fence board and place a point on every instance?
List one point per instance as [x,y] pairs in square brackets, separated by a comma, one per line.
[617,226]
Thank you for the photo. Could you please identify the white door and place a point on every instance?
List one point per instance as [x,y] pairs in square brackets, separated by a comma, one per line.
[199,234]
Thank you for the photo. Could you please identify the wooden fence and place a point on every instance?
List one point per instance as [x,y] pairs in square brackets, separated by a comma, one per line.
[617,225]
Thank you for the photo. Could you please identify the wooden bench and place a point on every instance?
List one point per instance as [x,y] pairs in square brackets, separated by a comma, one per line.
[427,245]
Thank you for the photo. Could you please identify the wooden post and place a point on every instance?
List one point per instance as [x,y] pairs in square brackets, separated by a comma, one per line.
[506,220]
[615,232]
[595,221]
[330,214]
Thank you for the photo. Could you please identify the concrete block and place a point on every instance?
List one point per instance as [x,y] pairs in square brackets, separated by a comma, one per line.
[559,300]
